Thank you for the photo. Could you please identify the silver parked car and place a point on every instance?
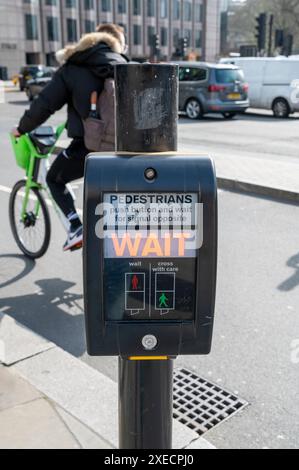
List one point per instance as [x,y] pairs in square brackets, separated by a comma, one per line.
[212,88]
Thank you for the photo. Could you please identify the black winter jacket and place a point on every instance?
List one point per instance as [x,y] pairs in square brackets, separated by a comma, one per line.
[86,67]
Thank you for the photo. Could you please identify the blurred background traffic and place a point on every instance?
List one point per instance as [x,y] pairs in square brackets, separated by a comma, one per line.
[233,54]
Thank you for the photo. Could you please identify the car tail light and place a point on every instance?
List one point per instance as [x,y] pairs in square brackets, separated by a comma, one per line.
[246,87]
[215,88]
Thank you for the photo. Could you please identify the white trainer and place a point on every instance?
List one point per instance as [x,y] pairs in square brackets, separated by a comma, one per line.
[74,240]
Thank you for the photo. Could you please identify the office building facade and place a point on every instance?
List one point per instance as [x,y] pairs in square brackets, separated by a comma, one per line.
[32,30]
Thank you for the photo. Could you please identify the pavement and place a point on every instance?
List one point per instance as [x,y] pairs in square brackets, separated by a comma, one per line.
[70,400]
[51,400]
[30,420]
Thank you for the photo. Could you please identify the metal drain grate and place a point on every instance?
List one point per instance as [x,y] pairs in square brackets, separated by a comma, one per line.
[200,404]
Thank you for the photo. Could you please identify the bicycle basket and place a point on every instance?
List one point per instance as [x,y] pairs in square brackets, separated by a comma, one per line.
[22,151]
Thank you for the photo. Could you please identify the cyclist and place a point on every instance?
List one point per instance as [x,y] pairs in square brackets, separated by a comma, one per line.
[84,68]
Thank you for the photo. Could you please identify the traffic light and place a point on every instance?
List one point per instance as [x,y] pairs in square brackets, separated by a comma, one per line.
[156,45]
[279,38]
[261,31]
[183,46]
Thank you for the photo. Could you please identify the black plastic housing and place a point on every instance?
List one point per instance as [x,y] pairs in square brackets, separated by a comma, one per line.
[125,174]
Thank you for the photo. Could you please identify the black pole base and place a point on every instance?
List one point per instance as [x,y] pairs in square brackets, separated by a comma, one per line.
[145,404]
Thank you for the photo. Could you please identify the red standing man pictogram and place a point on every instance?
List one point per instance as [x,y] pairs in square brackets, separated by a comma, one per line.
[135,282]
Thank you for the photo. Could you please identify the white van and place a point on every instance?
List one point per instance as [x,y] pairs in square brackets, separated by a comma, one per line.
[273,82]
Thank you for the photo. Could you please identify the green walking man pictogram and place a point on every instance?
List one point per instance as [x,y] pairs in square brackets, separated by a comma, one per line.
[163,301]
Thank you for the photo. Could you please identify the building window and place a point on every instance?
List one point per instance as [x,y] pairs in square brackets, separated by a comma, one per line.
[52,26]
[31,27]
[163,9]
[187,11]
[137,7]
[150,35]
[70,3]
[163,37]
[176,37]
[89,26]
[106,5]
[71,30]
[137,35]
[176,9]
[198,39]
[122,7]
[198,13]
[151,10]
[51,2]
[88,4]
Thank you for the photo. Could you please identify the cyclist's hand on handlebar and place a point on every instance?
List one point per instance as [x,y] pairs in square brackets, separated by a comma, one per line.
[15,132]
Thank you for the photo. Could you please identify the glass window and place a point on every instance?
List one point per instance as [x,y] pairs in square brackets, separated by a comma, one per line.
[106,5]
[136,34]
[176,37]
[150,35]
[191,74]
[124,26]
[51,2]
[122,6]
[229,75]
[151,8]
[164,37]
[90,26]
[187,11]
[88,4]
[176,9]
[137,7]
[163,9]
[31,27]
[52,26]
[70,3]
[71,30]
[198,13]
[198,39]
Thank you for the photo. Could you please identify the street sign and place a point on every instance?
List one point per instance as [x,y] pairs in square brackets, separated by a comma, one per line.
[150,253]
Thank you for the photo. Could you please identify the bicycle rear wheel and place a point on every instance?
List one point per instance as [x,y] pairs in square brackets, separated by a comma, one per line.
[32,230]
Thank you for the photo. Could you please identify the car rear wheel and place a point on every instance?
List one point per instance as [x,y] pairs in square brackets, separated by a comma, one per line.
[229,115]
[281,108]
[193,109]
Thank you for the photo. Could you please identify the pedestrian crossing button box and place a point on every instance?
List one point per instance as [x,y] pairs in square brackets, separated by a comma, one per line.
[150,250]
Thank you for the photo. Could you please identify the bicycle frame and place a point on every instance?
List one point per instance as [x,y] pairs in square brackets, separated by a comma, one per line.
[39,182]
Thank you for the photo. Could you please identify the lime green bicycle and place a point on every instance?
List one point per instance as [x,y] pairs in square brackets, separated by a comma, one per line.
[28,211]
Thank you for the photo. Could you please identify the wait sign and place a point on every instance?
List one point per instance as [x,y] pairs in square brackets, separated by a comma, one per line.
[151,225]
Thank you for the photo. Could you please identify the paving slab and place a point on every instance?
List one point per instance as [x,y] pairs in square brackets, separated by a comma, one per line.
[18,342]
[85,393]
[85,436]
[34,425]
[14,390]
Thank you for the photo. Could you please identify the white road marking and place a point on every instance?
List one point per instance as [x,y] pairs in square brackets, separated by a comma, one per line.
[7,190]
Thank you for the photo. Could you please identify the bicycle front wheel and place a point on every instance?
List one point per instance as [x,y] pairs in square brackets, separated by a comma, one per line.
[30,225]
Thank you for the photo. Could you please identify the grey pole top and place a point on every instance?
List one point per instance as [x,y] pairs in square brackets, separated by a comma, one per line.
[146,107]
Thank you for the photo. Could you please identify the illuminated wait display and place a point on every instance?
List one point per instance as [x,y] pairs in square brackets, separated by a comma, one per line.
[150,248]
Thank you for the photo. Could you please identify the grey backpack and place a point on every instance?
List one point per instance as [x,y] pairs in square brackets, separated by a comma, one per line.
[99,134]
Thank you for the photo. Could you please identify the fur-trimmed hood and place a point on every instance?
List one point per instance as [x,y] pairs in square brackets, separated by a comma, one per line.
[88,42]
